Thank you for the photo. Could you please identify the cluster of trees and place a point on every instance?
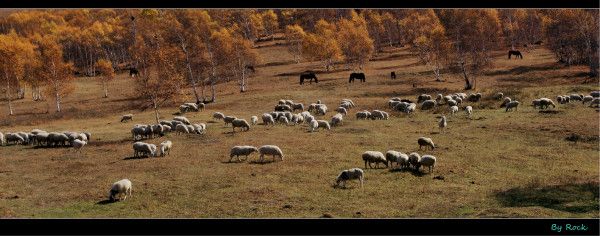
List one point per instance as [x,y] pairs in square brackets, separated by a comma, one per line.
[198,49]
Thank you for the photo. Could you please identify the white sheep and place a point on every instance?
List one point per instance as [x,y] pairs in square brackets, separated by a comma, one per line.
[254,120]
[218,115]
[165,148]
[321,110]
[354,173]
[324,124]
[427,161]
[313,125]
[453,109]
[595,102]
[423,141]
[511,105]
[268,119]
[576,97]
[428,104]
[505,101]
[363,115]
[498,96]
[270,150]
[297,106]
[587,99]
[283,120]
[127,117]
[182,119]
[442,124]
[2,139]
[423,97]
[374,157]
[229,119]
[342,110]
[78,144]
[143,149]
[238,151]
[337,119]
[469,110]
[595,94]
[199,128]
[241,123]
[181,128]
[414,159]
[392,156]
[120,188]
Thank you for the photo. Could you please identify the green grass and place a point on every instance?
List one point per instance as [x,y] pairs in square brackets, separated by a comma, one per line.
[496,164]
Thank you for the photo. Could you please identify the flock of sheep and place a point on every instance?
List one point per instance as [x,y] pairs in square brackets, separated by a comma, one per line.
[283,113]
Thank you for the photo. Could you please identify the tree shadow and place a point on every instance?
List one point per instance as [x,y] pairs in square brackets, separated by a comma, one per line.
[573,197]
[258,162]
[136,158]
[524,69]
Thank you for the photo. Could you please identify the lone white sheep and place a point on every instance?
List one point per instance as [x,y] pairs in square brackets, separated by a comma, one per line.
[427,142]
[469,110]
[442,124]
[351,174]
[120,188]
[453,109]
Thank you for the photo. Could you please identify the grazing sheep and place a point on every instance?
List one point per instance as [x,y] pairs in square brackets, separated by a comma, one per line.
[423,141]
[469,110]
[428,104]
[595,94]
[288,115]
[321,110]
[309,118]
[498,96]
[183,109]
[324,124]
[218,115]
[378,115]
[2,140]
[560,99]
[453,109]
[270,150]
[363,115]
[423,97]
[576,97]
[182,119]
[505,101]
[201,106]
[414,159]
[192,106]
[313,125]
[12,138]
[374,157]
[452,102]
[229,119]
[238,151]
[442,124]
[165,148]
[283,108]
[427,161]
[289,102]
[78,144]
[158,129]
[595,102]
[199,128]
[254,120]
[298,106]
[346,105]
[120,188]
[354,173]
[352,104]
[342,110]
[268,119]
[511,105]
[166,129]
[587,99]
[241,123]
[281,102]
[127,117]
[393,104]
[143,149]
[337,119]
[545,102]
[392,156]
[474,97]
[181,128]
[283,120]
[439,98]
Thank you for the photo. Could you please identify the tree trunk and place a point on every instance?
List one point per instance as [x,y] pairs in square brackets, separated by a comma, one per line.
[213,90]
[468,84]
[105,88]
[189,67]
[10,110]
[155,106]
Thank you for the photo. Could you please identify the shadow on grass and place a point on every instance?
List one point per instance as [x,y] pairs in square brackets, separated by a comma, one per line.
[136,158]
[574,197]
[524,69]
[104,202]
[258,162]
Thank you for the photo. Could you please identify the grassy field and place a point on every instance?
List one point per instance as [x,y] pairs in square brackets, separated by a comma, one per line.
[496,164]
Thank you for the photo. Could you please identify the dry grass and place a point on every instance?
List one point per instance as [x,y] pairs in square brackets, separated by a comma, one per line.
[496,164]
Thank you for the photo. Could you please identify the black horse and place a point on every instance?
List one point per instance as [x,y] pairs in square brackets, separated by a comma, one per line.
[358,76]
[393,75]
[250,68]
[516,53]
[133,72]
[309,75]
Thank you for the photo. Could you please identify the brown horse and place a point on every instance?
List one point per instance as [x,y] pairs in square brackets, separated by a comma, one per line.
[516,53]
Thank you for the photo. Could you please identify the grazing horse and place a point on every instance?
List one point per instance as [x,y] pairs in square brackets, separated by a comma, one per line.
[133,72]
[516,53]
[309,75]
[393,75]
[358,76]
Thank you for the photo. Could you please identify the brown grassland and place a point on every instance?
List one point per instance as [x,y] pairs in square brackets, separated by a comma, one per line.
[496,164]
